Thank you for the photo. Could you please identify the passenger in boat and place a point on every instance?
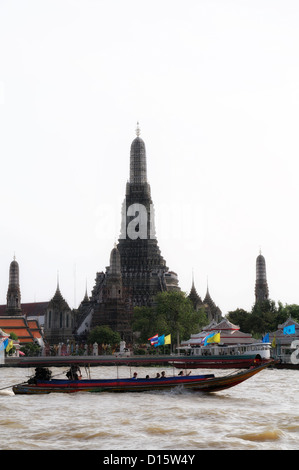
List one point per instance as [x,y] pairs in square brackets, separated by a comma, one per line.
[134,375]
[157,376]
[41,373]
[147,377]
[74,373]
[163,374]
[186,373]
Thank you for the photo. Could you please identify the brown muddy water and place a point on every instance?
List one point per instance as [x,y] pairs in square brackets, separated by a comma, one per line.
[261,413]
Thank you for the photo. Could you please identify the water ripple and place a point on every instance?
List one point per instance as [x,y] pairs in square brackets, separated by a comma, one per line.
[261,413]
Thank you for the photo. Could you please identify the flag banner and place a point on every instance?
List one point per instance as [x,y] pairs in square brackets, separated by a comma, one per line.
[167,339]
[273,344]
[266,338]
[153,339]
[214,338]
[9,346]
[4,344]
[211,338]
[289,330]
[160,341]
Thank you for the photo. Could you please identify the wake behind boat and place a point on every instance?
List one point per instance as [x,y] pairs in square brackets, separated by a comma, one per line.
[42,383]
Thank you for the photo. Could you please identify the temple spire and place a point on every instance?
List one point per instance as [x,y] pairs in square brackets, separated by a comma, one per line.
[144,271]
[261,284]
[13,306]
[138,171]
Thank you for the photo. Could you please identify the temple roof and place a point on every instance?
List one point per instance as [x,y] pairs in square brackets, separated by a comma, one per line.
[229,334]
[283,338]
[58,300]
[26,331]
[193,296]
[31,309]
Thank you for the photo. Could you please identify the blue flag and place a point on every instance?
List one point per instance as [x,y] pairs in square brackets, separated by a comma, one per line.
[205,340]
[160,341]
[3,344]
[289,330]
[266,338]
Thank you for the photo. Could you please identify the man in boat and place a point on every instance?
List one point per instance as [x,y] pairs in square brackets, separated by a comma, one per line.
[41,373]
[134,375]
[182,373]
[74,373]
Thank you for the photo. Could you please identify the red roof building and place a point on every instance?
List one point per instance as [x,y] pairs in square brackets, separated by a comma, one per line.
[26,331]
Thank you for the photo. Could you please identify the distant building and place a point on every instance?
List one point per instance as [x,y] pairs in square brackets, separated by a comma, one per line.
[59,320]
[230,334]
[213,312]
[137,271]
[13,306]
[282,341]
[110,303]
[261,285]
[136,274]
[26,331]
[144,270]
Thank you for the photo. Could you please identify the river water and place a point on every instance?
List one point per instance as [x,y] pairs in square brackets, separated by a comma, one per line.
[261,413]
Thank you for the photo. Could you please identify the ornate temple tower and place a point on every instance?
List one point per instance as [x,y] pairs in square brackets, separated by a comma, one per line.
[261,285]
[112,305]
[59,319]
[194,297]
[13,306]
[137,270]
[144,271]
[213,312]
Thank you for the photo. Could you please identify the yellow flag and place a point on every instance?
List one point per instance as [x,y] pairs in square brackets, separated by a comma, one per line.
[9,346]
[273,344]
[167,339]
[214,339]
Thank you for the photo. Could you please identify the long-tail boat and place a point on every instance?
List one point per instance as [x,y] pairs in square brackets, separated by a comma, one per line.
[43,383]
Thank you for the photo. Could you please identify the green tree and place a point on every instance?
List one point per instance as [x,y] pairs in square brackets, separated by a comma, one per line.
[172,313]
[264,306]
[264,317]
[286,311]
[104,335]
[241,318]
[13,336]
[31,349]
[177,315]
[145,323]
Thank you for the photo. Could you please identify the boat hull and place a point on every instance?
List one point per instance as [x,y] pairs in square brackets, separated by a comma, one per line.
[216,362]
[203,383]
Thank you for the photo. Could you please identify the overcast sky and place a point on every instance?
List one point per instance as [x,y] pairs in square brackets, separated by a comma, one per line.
[215,88]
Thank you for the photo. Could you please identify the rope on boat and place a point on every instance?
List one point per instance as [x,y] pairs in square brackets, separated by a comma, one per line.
[11,386]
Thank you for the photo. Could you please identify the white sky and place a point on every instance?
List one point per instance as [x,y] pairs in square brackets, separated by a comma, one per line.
[214,85]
